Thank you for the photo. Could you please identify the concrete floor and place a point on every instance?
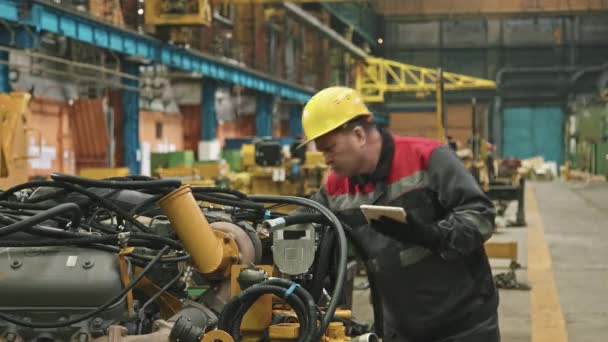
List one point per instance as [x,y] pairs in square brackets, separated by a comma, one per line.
[576,230]
[575,222]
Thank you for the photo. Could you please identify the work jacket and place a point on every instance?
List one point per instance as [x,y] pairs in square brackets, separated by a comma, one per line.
[421,294]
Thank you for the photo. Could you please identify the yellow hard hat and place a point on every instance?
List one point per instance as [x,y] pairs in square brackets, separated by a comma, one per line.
[331,108]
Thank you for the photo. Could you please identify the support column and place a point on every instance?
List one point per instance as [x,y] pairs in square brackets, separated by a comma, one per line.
[130,122]
[208,118]
[295,121]
[5,83]
[263,115]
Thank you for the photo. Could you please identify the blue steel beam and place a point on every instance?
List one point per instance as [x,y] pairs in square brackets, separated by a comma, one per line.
[208,117]
[45,16]
[130,126]
[263,115]
[295,121]
[5,83]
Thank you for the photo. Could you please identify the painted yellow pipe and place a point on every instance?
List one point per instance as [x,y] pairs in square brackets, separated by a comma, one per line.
[193,229]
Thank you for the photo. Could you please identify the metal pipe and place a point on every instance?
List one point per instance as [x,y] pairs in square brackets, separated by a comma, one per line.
[595,68]
[304,17]
[530,70]
[73,76]
[69,62]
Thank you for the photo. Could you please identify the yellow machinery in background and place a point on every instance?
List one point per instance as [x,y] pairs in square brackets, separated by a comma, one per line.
[177,12]
[176,16]
[14,116]
[205,174]
[103,172]
[267,170]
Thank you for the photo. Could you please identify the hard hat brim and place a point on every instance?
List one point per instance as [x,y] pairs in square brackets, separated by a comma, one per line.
[308,141]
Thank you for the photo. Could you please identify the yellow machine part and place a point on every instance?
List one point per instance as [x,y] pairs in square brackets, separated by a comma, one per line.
[314,159]
[14,115]
[211,170]
[259,316]
[177,12]
[247,156]
[103,172]
[177,172]
[212,251]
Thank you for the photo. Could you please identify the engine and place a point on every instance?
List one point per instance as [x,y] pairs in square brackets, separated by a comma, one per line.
[139,259]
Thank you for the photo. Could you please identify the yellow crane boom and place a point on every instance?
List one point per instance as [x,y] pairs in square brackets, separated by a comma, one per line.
[377,76]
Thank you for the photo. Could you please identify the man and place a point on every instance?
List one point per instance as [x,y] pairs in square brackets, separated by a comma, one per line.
[430,276]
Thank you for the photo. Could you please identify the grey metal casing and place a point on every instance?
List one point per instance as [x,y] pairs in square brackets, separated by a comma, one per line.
[40,277]
[294,256]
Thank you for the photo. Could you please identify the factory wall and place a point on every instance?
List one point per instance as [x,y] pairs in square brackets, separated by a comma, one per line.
[50,139]
[459,118]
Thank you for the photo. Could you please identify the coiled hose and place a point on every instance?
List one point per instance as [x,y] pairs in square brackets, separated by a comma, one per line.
[342,244]
[297,297]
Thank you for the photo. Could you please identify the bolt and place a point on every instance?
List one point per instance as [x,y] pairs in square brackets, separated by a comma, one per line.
[88,264]
[226,239]
[97,322]
[16,263]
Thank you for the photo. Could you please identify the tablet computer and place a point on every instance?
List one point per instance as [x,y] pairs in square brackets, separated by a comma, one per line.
[374,212]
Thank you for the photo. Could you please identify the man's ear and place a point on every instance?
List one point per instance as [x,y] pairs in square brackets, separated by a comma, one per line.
[360,135]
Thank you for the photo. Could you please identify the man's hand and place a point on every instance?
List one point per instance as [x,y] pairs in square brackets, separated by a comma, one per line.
[413,232]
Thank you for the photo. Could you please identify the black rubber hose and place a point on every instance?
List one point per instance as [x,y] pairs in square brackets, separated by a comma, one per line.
[201,189]
[139,257]
[230,202]
[46,197]
[21,205]
[335,222]
[105,202]
[107,304]
[322,266]
[309,303]
[300,300]
[157,238]
[59,242]
[305,218]
[135,210]
[114,184]
[238,312]
[44,216]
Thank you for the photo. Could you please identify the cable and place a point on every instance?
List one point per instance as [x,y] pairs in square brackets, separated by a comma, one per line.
[229,202]
[331,309]
[59,242]
[201,189]
[141,257]
[114,184]
[298,298]
[43,216]
[21,205]
[141,313]
[107,203]
[96,311]
[155,198]
[326,246]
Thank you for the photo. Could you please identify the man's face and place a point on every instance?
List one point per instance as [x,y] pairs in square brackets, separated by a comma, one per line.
[342,150]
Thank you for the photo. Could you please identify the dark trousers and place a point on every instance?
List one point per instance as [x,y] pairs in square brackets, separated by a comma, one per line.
[486,331]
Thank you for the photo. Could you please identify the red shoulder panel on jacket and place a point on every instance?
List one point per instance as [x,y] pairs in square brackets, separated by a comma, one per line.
[411,155]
